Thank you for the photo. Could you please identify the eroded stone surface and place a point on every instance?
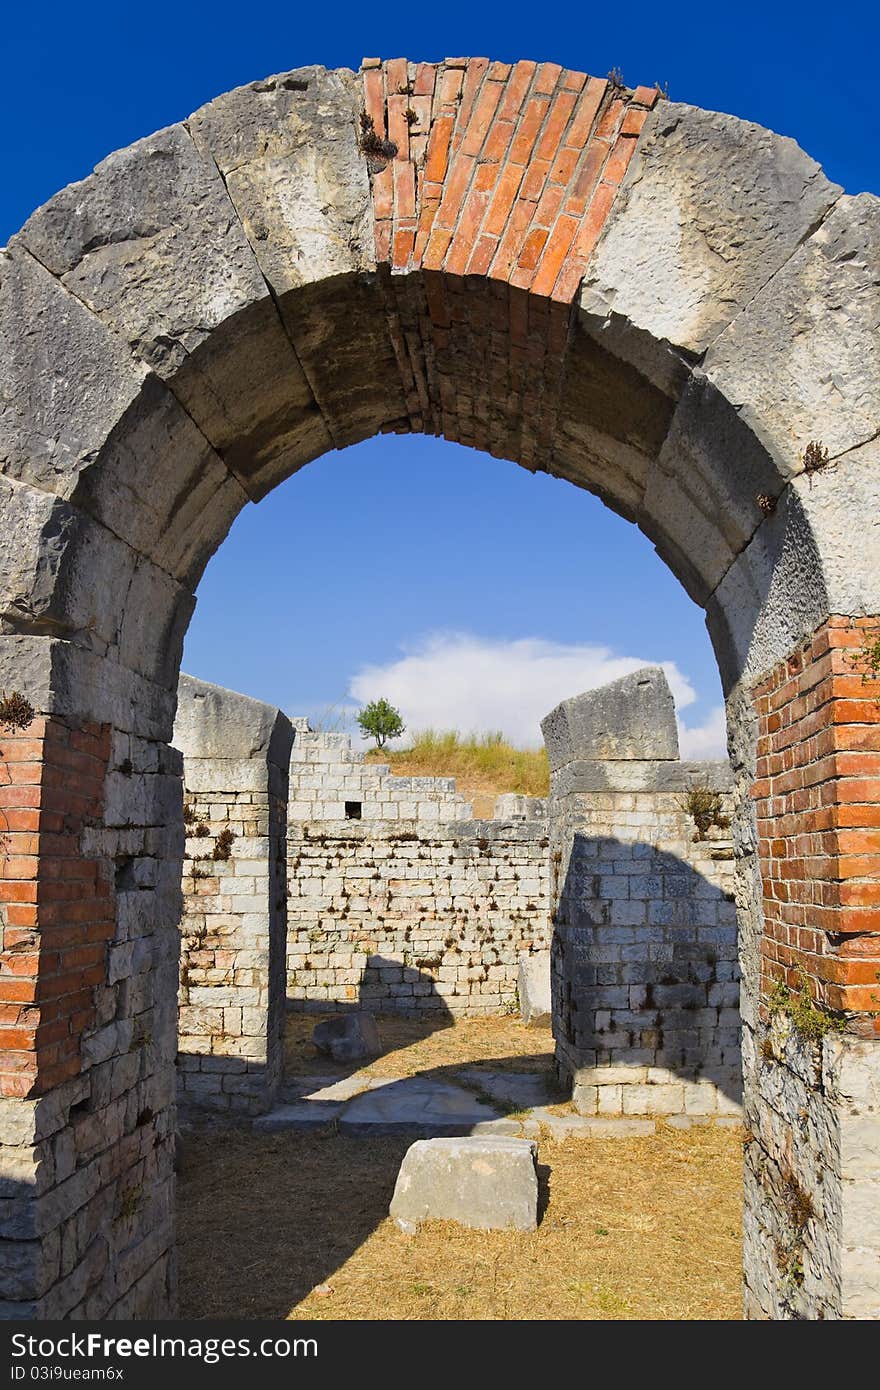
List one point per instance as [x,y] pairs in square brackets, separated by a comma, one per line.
[712,207]
[801,361]
[151,242]
[213,723]
[630,718]
[66,381]
[287,148]
[490,1184]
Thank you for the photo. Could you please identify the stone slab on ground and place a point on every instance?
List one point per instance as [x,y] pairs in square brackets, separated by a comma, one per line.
[325,1088]
[416,1105]
[376,1106]
[348,1038]
[520,1089]
[533,985]
[308,1114]
[487,1183]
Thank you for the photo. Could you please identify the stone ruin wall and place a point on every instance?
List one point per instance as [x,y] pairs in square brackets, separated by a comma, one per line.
[645,974]
[398,901]
[645,963]
[231,994]
[412,906]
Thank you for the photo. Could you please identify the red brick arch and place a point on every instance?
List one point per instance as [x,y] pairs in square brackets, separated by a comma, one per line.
[671,308]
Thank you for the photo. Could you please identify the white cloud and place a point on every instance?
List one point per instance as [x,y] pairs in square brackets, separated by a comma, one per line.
[707,740]
[457,680]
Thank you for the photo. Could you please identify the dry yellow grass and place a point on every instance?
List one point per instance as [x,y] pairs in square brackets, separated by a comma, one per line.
[412,1045]
[483,766]
[645,1228]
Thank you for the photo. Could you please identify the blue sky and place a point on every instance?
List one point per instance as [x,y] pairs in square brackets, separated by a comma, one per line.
[456,583]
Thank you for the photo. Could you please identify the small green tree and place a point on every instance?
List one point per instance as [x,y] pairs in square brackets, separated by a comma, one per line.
[381,721]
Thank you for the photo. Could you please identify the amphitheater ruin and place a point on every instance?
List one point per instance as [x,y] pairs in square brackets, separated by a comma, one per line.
[671,308]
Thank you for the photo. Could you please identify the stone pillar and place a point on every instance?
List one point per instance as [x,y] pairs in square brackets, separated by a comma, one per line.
[89,911]
[644,961]
[811,1051]
[236,754]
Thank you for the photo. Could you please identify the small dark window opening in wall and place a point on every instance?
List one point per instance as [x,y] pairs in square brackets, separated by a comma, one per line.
[353,810]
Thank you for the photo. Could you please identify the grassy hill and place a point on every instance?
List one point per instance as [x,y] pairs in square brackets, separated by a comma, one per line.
[483,765]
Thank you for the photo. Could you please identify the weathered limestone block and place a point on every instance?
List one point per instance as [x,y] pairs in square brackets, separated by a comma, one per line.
[50,555]
[633,775]
[801,359]
[215,724]
[710,209]
[151,242]
[489,1184]
[64,388]
[348,1038]
[533,984]
[633,717]
[700,501]
[612,421]
[83,419]
[83,571]
[287,148]
[68,680]
[800,565]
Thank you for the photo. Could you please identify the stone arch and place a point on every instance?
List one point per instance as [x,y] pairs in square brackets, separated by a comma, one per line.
[664,305]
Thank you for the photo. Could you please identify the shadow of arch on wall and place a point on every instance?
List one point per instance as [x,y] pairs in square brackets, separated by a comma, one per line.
[646,299]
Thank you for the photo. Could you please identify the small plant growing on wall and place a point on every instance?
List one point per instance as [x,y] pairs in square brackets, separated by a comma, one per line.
[704,807]
[810,1020]
[376,149]
[224,843]
[15,712]
[379,720]
[766,503]
[868,657]
[815,457]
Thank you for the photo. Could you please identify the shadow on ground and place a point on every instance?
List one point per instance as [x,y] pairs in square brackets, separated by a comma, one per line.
[267,1219]
[300,1204]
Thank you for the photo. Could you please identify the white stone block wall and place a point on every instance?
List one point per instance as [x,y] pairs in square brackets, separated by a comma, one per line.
[326,773]
[400,917]
[231,1007]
